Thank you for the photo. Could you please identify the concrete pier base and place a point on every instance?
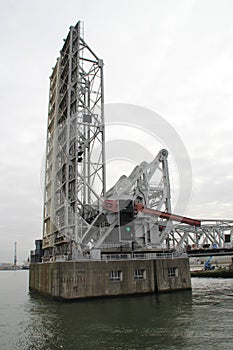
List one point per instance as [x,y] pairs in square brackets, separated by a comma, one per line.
[86,279]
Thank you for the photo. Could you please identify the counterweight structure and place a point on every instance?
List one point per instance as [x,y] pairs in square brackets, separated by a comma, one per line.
[81,218]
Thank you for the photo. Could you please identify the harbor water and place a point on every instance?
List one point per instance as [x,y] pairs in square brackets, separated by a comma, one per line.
[201,319]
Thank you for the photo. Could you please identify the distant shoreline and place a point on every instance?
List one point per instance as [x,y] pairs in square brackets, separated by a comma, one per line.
[219,273]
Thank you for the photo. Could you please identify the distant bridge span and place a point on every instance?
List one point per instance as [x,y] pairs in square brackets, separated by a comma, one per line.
[216,234]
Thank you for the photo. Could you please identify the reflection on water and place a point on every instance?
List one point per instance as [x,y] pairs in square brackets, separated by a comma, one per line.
[128,323]
[183,320]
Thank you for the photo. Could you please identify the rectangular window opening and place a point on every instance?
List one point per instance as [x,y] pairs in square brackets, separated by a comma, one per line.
[172,272]
[116,275]
[140,274]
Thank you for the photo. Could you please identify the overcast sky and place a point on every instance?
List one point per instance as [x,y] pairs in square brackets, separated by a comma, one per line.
[171,56]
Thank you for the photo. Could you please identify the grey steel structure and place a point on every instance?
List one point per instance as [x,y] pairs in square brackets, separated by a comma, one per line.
[75,171]
[217,233]
[81,218]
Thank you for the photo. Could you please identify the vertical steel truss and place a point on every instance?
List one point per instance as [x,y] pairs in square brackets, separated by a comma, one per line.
[75,155]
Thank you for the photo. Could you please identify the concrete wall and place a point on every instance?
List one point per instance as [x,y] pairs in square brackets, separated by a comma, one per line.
[172,274]
[85,279]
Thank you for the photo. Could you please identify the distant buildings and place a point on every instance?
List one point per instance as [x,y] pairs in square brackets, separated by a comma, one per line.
[6,266]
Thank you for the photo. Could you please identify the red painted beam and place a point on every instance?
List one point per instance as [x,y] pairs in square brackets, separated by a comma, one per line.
[173,217]
[112,206]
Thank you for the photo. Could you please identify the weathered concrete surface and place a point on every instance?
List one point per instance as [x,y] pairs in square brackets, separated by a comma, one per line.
[86,279]
[164,282]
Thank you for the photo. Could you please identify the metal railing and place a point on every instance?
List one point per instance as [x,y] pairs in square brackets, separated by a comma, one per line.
[143,256]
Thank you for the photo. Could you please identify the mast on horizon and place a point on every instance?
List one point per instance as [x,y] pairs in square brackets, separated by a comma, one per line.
[15,254]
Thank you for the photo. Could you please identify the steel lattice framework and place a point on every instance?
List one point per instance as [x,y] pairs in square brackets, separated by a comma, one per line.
[75,172]
[215,233]
[148,184]
[80,217]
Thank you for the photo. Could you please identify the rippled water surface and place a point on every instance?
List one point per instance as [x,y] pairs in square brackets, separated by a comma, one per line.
[201,319]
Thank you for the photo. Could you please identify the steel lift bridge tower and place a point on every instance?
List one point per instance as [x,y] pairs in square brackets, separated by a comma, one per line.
[80,218]
[75,170]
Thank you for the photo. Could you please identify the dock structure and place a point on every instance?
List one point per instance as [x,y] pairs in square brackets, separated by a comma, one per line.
[98,242]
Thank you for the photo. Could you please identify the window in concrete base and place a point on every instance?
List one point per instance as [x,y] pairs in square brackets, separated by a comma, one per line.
[140,274]
[116,275]
[172,272]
